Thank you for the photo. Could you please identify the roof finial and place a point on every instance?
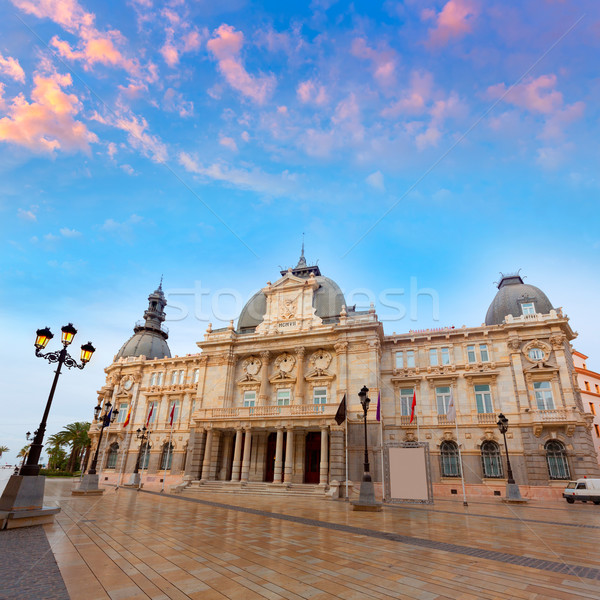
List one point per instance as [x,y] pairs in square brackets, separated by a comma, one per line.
[302,260]
[160,284]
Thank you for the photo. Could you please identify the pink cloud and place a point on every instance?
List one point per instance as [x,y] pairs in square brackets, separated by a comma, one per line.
[384,62]
[226,47]
[10,66]
[414,101]
[175,102]
[134,90]
[228,142]
[453,22]
[47,124]
[310,92]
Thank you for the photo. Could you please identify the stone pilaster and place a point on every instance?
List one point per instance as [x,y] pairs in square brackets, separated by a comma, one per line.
[324,464]
[237,455]
[263,394]
[278,456]
[299,391]
[289,456]
[246,457]
[206,464]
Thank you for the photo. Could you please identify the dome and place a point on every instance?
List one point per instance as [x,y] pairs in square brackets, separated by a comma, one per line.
[511,297]
[149,337]
[328,298]
[145,343]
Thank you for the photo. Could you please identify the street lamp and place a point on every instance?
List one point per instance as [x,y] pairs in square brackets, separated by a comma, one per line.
[106,419]
[142,435]
[365,401]
[62,357]
[503,427]
[366,499]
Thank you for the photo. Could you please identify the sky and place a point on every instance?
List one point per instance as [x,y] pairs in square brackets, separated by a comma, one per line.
[417,145]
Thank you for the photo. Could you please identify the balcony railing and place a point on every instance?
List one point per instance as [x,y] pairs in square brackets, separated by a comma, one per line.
[486,417]
[405,421]
[443,420]
[254,412]
[550,415]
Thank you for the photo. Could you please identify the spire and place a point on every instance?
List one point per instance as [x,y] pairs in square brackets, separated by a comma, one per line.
[302,260]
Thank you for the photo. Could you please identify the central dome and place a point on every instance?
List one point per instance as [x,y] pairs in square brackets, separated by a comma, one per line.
[328,299]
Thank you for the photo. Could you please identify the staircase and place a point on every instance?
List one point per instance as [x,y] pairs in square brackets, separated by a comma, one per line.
[258,488]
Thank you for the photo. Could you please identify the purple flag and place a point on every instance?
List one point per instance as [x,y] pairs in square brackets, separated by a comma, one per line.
[378,414]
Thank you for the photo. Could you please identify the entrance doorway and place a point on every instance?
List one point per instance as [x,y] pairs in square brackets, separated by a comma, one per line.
[271,454]
[312,457]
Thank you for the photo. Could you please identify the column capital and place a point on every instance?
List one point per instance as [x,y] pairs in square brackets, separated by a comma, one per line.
[300,351]
[265,354]
[340,347]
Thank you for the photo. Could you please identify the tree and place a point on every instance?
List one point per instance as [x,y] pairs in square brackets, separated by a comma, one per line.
[3,449]
[74,435]
[57,456]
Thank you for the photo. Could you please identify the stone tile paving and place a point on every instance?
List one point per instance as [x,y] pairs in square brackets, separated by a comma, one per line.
[28,570]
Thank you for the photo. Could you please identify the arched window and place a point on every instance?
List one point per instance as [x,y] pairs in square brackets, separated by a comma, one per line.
[145,456]
[491,460]
[450,459]
[113,451]
[166,456]
[556,456]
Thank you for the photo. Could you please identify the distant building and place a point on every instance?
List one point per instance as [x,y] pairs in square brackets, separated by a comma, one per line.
[589,386]
[256,405]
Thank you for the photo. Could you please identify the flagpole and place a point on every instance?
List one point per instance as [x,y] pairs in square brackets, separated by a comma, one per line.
[162,489]
[145,453]
[346,446]
[462,476]
[418,419]
[381,433]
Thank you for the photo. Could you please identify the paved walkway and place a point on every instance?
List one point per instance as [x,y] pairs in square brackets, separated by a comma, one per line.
[130,545]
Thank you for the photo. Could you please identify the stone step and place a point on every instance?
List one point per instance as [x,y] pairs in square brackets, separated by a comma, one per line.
[261,488]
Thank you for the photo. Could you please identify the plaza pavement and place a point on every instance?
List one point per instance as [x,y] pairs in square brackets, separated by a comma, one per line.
[130,545]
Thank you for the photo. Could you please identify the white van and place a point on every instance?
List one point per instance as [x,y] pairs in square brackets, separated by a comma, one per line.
[584,490]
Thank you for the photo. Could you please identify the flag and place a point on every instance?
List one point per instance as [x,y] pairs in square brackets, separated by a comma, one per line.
[172,415]
[340,415]
[451,412]
[378,413]
[108,417]
[413,406]
[150,414]
[127,417]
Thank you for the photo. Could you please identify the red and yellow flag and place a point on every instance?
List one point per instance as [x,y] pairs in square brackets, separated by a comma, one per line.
[127,417]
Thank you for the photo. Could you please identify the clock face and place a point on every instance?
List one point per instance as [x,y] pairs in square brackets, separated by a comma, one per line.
[127,384]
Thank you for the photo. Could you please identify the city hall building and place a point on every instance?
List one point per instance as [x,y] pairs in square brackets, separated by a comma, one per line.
[254,408]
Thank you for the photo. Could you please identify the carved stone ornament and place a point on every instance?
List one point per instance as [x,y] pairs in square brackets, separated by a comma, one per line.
[126,384]
[320,361]
[557,340]
[285,363]
[537,344]
[341,347]
[288,308]
[251,366]
[514,344]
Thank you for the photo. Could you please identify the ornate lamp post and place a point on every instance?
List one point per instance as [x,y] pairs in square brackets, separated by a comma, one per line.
[142,434]
[366,500]
[513,494]
[62,357]
[108,416]
[23,496]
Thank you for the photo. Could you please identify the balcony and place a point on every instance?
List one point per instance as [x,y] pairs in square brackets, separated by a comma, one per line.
[486,418]
[550,415]
[405,421]
[443,420]
[262,412]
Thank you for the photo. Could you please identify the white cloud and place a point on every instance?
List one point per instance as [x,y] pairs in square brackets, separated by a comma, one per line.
[28,215]
[10,66]
[228,142]
[375,180]
[69,233]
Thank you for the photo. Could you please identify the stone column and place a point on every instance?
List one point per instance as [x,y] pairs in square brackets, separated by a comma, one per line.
[246,458]
[299,391]
[289,456]
[263,393]
[227,450]
[207,455]
[237,455]
[278,455]
[324,465]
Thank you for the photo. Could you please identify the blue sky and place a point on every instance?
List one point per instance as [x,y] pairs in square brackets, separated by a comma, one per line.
[444,141]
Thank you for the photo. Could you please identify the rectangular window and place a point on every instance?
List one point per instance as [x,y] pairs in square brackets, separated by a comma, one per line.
[483,398]
[483,353]
[471,357]
[154,411]
[528,308]
[192,408]
[399,360]
[442,396]
[153,379]
[597,388]
[160,379]
[181,377]
[320,396]
[175,414]
[543,395]
[196,375]
[410,359]
[597,428]
[433,357]
[406,397]
[283,397]
[122,413]
[445,356]
[249,398]
[592,408]
[173,377]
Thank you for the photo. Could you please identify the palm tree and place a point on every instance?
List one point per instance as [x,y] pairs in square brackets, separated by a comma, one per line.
[74,435]
[3,449]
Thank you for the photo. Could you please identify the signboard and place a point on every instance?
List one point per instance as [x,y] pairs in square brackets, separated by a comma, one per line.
[407,473]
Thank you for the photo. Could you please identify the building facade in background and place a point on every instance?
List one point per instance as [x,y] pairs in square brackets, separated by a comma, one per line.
[256,404]
[589,386]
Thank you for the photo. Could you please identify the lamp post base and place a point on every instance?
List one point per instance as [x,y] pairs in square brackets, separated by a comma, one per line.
[88,486]
[22,503]
[366,500]
[134,480]
[513,495]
